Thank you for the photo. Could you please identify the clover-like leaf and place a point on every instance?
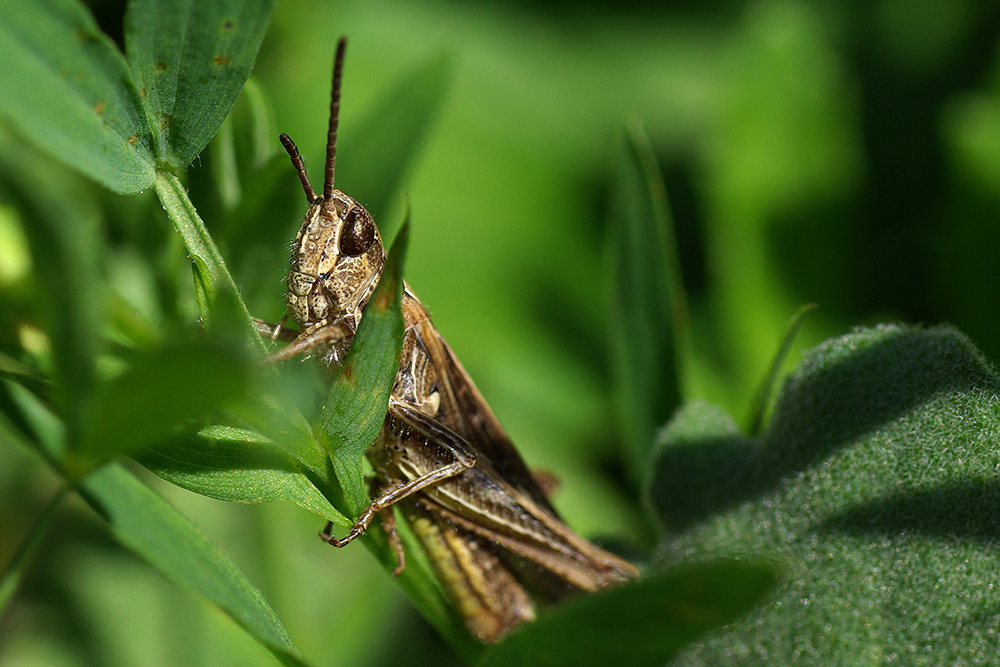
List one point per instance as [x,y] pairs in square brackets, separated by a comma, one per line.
[190,60]
[67,87]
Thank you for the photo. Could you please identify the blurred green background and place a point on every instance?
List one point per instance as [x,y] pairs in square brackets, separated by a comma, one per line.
[845,153]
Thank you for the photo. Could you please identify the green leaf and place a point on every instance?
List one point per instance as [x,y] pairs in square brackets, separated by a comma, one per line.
[649,315]
[190,60]
[357,402]
[876,483]
[148,526]
[29,419]
[377,153]
[68,88]
[163,390]
[67,248]
[237,465]
[645,622]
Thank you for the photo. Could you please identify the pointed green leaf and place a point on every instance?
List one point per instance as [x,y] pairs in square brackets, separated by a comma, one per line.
[762,400]
[646,622]
[144,523]
[190,60]
[211,273]
[648,323]
[68,88]
[356,404]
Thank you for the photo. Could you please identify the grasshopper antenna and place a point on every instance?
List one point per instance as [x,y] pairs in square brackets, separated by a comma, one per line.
[331,137]
[293,152]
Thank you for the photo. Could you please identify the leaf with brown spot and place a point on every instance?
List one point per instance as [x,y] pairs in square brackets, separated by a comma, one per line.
[356,405]
[193,59]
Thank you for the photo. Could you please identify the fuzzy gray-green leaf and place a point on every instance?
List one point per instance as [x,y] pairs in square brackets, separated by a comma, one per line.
[876,483]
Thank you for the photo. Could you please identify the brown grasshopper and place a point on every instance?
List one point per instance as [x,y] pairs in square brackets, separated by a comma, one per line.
[494,540]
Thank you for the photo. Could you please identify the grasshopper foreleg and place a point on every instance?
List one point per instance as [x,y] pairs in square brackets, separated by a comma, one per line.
[390,497]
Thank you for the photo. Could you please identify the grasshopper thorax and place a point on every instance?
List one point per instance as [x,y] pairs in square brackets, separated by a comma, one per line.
[337,257]
[336,263]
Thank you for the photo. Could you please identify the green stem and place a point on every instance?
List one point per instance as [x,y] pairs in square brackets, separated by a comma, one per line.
[210,268]
[762,399]
[10,581]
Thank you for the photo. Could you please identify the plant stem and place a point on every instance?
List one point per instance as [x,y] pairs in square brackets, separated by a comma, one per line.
[10,581]
[210,268]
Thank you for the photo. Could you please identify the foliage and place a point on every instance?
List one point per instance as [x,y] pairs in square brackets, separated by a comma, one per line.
[826,154]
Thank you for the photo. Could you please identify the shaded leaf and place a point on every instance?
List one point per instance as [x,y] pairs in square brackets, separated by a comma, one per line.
[64,238]
[68,88]
[163,390]
[356,405]
[649,316]
[876,483]
[645,622]
[13,573]
[153,530]
[190,60]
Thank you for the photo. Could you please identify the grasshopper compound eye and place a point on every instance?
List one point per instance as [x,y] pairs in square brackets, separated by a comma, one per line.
[358,233]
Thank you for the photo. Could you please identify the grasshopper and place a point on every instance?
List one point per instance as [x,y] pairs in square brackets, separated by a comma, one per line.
[494,540]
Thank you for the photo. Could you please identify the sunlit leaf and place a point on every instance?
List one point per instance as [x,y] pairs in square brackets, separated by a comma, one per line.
[356,404]
[237,465]
[190,60]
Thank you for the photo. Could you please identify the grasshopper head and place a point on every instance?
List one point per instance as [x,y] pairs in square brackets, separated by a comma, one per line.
[336,263]
[337,257]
